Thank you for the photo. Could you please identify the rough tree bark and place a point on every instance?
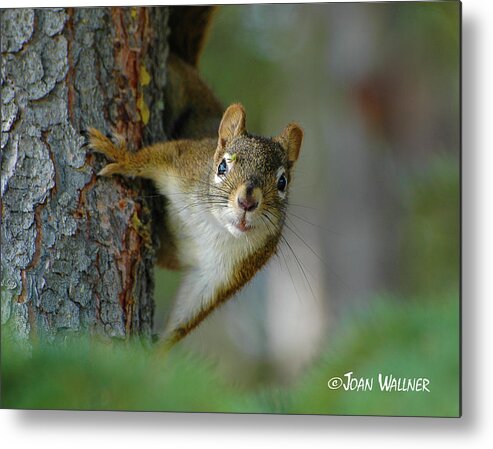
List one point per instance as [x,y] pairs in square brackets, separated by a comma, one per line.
[77,250]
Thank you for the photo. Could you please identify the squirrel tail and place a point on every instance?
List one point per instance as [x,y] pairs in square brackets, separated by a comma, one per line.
[189,26]
[193,111]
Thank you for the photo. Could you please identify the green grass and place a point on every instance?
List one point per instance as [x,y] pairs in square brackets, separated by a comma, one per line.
[404,338]
[414,339]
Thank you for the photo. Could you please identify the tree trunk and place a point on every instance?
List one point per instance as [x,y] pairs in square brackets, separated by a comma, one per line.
[77,250]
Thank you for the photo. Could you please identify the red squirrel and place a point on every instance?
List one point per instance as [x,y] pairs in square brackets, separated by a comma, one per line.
[227,189]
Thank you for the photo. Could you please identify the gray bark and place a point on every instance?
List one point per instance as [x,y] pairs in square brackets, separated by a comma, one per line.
[77,250]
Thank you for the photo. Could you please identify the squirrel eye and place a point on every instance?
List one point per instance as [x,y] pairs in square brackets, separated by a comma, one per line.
[221,170]
[282,183]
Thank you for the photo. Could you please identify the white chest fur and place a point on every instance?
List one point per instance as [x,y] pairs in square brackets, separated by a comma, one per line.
[206,249]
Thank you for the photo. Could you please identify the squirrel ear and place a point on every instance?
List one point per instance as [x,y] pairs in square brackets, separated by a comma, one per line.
[232,123]
[290,139]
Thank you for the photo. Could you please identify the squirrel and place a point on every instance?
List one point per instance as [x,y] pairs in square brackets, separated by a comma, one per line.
[227,190]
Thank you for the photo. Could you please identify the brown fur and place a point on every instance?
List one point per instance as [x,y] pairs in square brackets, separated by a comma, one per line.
[189,27]
[181,158]
[193,111]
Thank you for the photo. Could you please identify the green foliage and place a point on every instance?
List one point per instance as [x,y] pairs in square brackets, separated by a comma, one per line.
[411,339]
[228,68]
[403,338]
[431,234]
[89,375]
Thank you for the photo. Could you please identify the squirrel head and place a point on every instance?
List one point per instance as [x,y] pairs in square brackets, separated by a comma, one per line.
[251,175]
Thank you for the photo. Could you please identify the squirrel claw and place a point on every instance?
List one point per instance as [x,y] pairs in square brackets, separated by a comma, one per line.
[110,169]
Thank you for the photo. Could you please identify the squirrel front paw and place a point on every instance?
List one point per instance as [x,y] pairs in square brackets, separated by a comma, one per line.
[114,150]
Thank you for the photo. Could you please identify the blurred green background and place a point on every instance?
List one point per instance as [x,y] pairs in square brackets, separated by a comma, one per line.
[370,280]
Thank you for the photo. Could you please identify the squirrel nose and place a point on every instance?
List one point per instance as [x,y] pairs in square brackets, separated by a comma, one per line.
[249,196]
[247,203]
